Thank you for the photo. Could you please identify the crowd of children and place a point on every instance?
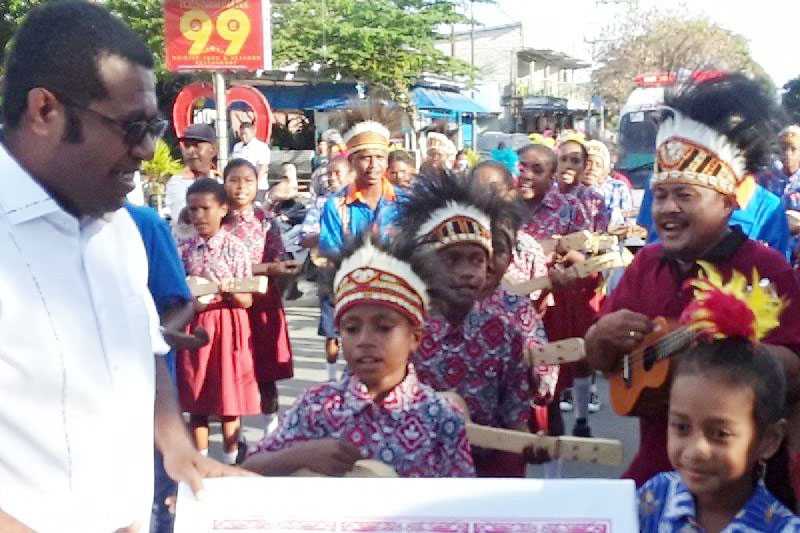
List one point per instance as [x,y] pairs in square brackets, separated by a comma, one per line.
[413,275]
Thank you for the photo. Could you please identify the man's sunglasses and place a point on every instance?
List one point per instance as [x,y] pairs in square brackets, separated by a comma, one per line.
[134,132]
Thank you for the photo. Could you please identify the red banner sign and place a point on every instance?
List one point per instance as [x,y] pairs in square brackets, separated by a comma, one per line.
[217,34]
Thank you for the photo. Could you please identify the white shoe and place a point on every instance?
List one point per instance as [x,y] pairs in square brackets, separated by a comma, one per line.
[272,424]
[331,367]
[566,401]
[594,403]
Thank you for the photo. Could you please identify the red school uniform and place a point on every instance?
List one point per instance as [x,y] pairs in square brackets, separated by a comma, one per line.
[272,349]
[218,379]
[666,295]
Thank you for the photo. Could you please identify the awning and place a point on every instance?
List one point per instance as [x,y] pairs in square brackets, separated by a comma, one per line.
[318,97]
[425,98]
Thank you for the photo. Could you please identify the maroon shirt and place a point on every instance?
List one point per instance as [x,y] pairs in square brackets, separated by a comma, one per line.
[653,285]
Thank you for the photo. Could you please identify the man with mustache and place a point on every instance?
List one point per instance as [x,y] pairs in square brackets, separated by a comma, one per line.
[713,134]
[79,329]
[198,148]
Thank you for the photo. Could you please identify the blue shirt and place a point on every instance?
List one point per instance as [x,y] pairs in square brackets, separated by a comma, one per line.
[345,216]
[667,506]
[764,219]
[167,278]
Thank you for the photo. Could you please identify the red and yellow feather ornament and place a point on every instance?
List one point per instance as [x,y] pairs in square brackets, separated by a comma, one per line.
[740,307]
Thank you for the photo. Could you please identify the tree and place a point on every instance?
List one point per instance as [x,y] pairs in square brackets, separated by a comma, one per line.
[384,43]
[658,41]
[11,14]
[791,99]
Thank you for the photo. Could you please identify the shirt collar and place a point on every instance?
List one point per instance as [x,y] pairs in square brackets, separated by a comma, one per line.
[400,398]
[21,198]
[354,194]
[248,214]
[214,242]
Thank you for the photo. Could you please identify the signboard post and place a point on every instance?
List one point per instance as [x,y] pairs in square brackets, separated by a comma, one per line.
[217,36]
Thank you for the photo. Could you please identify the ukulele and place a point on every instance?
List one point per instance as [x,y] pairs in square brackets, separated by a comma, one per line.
[640,384]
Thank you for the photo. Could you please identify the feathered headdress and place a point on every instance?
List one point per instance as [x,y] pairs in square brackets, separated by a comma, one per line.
[372,275]
[370,123]
[714,132]
[740,307]
[442,211]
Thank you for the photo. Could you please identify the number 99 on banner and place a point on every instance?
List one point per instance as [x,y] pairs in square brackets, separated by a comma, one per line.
[232,25]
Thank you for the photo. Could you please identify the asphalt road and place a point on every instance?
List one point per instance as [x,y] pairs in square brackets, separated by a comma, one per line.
[309,361]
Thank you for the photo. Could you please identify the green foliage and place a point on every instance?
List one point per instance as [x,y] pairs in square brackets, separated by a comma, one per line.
[791,99]
[11,14]
[385,43]
[163,165]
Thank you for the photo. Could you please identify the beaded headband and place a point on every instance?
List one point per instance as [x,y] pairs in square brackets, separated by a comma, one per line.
[369,135]
[457,224]
[690,152]
[373,276]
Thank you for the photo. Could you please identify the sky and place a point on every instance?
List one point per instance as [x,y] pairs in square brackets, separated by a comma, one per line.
[772,27]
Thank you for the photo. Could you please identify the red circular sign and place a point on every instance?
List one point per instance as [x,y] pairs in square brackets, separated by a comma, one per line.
[183,109]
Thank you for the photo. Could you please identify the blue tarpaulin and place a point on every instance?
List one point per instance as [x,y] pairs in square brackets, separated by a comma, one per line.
[425,98]
[318,97]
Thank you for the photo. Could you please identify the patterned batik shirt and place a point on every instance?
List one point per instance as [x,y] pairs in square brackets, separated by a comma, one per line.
[556,214]
[412,429]
[219,258]
[618,200]
[528,261]
[522,315]
[595,204]
[667,506]
[251,228]
[481,359]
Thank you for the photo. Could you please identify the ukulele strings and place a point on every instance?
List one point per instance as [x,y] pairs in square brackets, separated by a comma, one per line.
[664,347]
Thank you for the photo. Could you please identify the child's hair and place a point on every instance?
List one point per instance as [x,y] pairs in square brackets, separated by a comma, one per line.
[508,179]
[741,363]
[239,162]
[549,153]
[400,156]
[208,186]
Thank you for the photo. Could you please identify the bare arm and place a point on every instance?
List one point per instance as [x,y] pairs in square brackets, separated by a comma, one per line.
[9,524]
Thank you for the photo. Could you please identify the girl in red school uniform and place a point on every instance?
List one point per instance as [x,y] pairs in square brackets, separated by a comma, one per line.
[272,350]
[217,379]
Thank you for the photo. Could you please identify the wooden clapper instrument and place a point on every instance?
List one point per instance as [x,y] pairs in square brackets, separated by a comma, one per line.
[200,287]
[593,265]
[584,242]
[595,451]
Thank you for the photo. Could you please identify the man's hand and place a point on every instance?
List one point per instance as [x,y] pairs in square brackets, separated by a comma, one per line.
[181,340]
[330,457]
[615,334]
[133,528]
[535,455]
[191,467]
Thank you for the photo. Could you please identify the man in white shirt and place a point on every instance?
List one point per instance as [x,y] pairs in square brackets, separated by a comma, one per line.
[198,148]
[255,151]
[78,329]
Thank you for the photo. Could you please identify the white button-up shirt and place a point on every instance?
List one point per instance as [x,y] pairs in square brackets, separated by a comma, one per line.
[257,152]
[78,330]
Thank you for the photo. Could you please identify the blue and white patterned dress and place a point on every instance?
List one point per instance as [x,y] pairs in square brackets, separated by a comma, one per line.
[667,506]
